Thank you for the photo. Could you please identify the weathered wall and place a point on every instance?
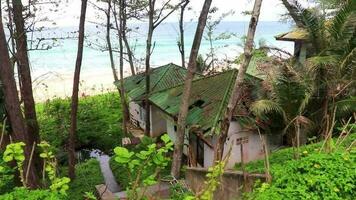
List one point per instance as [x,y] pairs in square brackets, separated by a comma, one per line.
[171,130]
[232,183]
[158,123]
[136,114]
[252,146]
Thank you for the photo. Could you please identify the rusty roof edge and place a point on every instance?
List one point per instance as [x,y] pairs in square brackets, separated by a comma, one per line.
[218,116]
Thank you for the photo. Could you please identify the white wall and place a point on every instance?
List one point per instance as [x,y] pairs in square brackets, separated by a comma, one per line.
[158,122]
[172,134]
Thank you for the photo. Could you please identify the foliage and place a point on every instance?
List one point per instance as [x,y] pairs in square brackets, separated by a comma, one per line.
[98,121]
[178,191]
[6,177]
[23,193]
[58,184]
[285,155]
[15,152]
[212,182]
[142,168]
[312,176]
[88,175]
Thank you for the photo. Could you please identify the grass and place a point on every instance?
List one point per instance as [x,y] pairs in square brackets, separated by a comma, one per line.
[315,175]
[88,175]
[99,121]
[284,155]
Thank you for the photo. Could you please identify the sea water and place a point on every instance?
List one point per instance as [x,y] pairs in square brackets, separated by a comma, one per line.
[61,58]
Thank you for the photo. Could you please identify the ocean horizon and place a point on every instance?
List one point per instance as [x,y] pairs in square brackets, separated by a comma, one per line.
[61,58]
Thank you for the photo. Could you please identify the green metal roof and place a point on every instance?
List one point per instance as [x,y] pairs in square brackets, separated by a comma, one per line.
[208,99]
[296,34]
[161,78]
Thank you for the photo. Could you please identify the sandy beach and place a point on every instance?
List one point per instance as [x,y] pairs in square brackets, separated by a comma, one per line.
[59,85]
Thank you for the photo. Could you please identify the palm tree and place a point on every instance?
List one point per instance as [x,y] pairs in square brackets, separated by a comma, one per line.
[284,107]
[325,79]
[332,63]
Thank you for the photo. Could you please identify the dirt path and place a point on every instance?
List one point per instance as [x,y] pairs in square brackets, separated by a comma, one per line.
[107,173]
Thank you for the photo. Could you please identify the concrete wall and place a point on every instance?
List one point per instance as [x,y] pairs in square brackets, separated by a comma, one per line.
[158,122]
[252,145]
[232,183]
[171,130]
[252,148]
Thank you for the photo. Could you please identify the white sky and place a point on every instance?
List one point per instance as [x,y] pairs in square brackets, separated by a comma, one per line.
[271,11]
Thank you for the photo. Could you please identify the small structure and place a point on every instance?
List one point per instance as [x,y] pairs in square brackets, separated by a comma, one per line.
[300,37]
[160,78]
[208,101]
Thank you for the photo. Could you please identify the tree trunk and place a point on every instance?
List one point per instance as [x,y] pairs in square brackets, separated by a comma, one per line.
[121,89]
[293,12]
[23,65]
[121,57]
[237,90]
[74,104]
[12,104]
[181,33]
[147,61]
[108,40]
[183,111]
[124,38]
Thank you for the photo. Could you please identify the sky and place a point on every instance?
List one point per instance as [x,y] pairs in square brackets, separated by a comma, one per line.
[271,11]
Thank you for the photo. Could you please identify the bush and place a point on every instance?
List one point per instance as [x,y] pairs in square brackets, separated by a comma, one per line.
[23,193]
[286,154]
[315,176]
[88,175]
[6,177]
[98,121]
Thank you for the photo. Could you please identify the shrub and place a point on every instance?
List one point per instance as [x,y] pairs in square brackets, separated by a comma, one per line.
[6,177]
[98,121]
[23,193]
[88,175]
[315,176]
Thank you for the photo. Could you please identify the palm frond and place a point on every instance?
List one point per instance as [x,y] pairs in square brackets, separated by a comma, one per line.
[338,24]
[348,64]
[346,107]
[316,63]
[262,108]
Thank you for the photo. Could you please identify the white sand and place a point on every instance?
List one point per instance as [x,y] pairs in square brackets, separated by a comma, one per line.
[53,85]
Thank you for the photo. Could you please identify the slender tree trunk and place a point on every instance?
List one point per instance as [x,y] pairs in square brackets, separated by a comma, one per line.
[25,73]
[183,111]
[147,61]
[124,38]
[11,27]
[181,44]
[74,104]
[121,46]
[24,70]
[121,89]
[293,12]
[237,90]
[108,40]
[12,104]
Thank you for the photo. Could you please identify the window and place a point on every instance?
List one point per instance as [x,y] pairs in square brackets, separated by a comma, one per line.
[242,140]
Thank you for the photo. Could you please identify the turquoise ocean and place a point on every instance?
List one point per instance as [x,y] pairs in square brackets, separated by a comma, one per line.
[61,58]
